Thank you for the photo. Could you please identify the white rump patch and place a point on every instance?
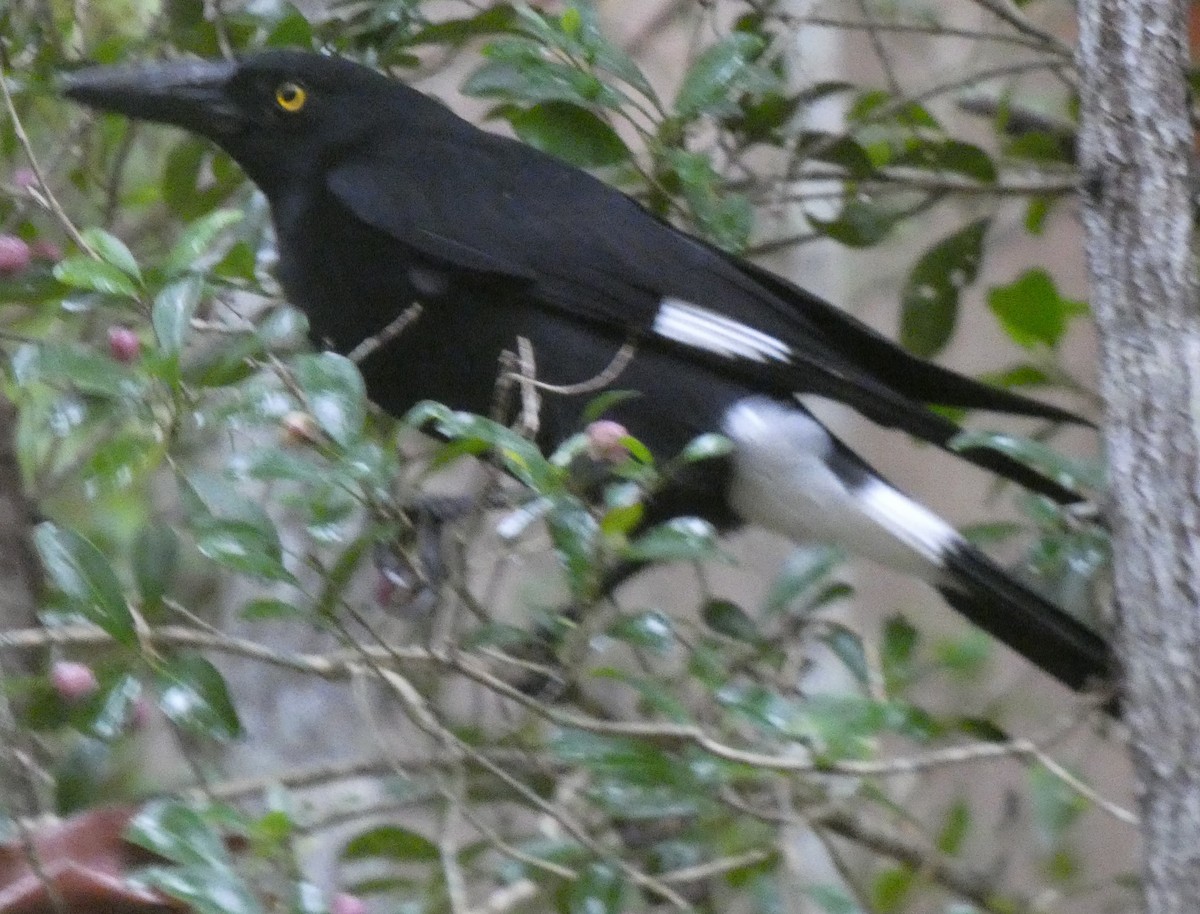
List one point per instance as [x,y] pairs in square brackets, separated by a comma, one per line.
[782,481]
[692,325]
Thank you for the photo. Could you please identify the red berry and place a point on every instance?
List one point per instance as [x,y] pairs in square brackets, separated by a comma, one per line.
[123,344]
[73,681]
[344,903]
[605,440]
[14,254]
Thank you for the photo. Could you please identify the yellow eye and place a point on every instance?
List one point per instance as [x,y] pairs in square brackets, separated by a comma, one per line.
[290,97]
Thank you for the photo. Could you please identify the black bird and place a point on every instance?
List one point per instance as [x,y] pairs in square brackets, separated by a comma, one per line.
[382,197]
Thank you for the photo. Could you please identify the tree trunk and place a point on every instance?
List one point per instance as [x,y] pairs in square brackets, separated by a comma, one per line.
[1136,154]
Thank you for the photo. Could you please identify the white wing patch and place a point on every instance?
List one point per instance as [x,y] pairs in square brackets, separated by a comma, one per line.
[692,325]
[782,481]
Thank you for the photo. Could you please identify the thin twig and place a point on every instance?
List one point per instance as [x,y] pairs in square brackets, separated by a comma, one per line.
[342,665]
[46,195]
[526,378]
[363,350]
[1009,13]
[609,374]
[918,28]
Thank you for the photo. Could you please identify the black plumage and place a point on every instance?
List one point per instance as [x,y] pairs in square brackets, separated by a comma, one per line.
[382,197]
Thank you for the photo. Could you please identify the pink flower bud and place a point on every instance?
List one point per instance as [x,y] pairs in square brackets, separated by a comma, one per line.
[344,903]
[140,716]
[46,250]
[300,428]
[14,254]
[604,440]
[24,178]
[73,681]
[123,344]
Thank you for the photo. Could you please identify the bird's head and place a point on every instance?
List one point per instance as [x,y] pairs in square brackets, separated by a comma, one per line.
[276,112]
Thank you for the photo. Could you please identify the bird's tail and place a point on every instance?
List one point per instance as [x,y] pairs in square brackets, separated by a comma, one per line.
[1044,633]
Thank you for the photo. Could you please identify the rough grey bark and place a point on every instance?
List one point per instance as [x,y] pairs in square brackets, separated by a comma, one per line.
[1136,152]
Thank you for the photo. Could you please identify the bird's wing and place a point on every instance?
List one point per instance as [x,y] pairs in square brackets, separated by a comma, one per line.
[482,203]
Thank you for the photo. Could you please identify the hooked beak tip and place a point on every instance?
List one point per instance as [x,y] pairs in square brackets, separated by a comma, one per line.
[189,94]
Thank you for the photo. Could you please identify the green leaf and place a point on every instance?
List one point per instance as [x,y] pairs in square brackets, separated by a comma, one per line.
[964,657]
[1036,214]
[629,760]
[835,149]
[523,76]
[682,539]
[848,648]
[1031,310]
[391,842]
[203,877]
[471,434]
[1077,475]
[860,224]
[955,828]
[337,577]
[570,132]
[929,302]
[603,402]
[1043,147]
[282,326]
[900,640]
[454,32]
[83,776]
[649,630]
[155,558]
[623,518]
[120,462]
[726,68]
[600,889]
[173,310]
[893,889]
[706,447]
[870,104]
[195,178]
[954,156]
[176,832]
[1020,375]
[242,545]
[82,272]
[112,250]
[197,239]
[724,217]
[802,571]
[109,711]
[84,575]
[194,696]
[266,608]
[336,394]
[201,890]
[727,618]
[77,368]
[292,30]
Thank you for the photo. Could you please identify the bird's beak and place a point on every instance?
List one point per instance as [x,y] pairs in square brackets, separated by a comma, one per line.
[192,94]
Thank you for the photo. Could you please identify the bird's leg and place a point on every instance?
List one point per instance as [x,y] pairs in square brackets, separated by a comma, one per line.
[413,569]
